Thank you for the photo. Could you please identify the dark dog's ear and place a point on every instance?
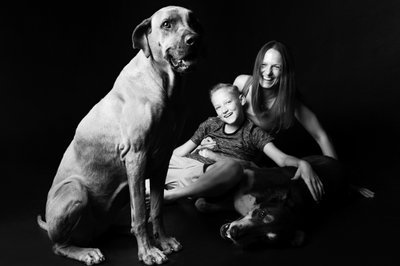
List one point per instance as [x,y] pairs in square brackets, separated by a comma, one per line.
[268,218]
[139,36]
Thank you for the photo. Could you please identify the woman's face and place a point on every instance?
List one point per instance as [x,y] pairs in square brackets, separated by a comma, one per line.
[270,68]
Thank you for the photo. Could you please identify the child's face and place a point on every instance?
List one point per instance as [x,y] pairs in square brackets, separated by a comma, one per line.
[228,106]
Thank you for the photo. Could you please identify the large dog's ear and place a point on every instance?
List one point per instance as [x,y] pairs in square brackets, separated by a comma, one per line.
[139,36]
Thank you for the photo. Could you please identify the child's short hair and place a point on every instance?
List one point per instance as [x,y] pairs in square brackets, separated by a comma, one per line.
[227,86]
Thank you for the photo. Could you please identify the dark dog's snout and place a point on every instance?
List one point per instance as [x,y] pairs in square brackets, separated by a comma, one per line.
[233,232]
[223,231]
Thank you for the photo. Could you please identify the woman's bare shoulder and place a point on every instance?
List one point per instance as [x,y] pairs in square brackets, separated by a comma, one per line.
[241,80]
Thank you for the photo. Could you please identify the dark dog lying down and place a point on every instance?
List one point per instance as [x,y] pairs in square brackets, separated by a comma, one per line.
[276,209]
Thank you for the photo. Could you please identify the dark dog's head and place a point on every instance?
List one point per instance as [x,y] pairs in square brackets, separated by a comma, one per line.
[171,36]
[266,224]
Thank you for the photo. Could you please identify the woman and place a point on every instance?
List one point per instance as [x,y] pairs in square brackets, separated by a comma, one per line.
[271,98]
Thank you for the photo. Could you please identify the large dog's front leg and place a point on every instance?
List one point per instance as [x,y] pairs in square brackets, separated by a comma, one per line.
[167,243]
[136,164]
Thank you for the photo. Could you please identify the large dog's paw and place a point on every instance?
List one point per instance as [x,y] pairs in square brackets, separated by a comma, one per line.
[169,244]
[152,255]
[89,256]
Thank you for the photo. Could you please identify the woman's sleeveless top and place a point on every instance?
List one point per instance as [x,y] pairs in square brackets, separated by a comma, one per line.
[265,121]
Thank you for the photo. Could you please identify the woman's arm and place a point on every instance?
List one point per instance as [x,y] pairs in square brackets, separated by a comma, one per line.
[240,81]
[310,122]
[185,148]
[304,169]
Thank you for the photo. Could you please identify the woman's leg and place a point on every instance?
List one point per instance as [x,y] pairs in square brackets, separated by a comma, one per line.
[219,178]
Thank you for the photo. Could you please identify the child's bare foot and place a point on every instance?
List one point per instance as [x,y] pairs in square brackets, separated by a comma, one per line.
[169,196]
[203,206]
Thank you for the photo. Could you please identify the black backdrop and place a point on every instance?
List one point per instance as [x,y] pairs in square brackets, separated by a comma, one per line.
[59,59]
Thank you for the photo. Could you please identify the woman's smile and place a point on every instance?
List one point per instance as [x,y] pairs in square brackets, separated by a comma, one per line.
[270,68]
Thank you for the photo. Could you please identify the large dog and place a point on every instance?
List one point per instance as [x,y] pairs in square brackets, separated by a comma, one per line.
[124,139]
[275,209]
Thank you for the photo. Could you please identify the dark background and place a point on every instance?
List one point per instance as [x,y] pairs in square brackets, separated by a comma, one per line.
[58,59]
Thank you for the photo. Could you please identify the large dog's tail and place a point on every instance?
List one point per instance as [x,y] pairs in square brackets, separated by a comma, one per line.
[42,223]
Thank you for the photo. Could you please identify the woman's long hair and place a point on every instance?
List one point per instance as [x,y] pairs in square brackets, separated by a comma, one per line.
[282,111]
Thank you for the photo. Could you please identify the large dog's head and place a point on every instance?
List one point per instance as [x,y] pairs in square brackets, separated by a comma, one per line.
[266,223]
[171,37]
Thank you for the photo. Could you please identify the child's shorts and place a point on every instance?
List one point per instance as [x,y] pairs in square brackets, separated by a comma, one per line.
[182,171]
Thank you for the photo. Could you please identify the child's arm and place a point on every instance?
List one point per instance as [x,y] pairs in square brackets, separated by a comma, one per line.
[185,148]
[216,156]
[206,149]
[304,169]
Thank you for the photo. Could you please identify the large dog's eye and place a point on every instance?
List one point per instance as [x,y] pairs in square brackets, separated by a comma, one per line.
[166,24]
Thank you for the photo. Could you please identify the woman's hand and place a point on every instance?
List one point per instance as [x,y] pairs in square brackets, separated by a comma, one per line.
[311,179]
[365,192]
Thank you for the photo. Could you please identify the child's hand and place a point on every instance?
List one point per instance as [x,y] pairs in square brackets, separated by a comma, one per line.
[206,153]
[211,155]
[207,143]
[311,179]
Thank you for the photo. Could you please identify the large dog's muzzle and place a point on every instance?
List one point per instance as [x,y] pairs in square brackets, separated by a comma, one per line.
[184,56]
[172,35]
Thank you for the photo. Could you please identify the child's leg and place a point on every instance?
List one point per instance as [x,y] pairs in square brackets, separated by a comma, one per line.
[228,200]
[206,206]
[182,171]
[219,178]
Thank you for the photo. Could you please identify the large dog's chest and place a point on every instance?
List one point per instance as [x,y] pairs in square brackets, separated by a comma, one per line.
[162,138]
[165,134]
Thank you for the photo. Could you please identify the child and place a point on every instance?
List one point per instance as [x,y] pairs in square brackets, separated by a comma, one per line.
[229,138]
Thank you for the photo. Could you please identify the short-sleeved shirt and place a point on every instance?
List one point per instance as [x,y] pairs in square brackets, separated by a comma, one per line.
[246,143]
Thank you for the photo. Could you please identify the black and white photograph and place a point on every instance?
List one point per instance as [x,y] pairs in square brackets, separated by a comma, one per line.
[200,133]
